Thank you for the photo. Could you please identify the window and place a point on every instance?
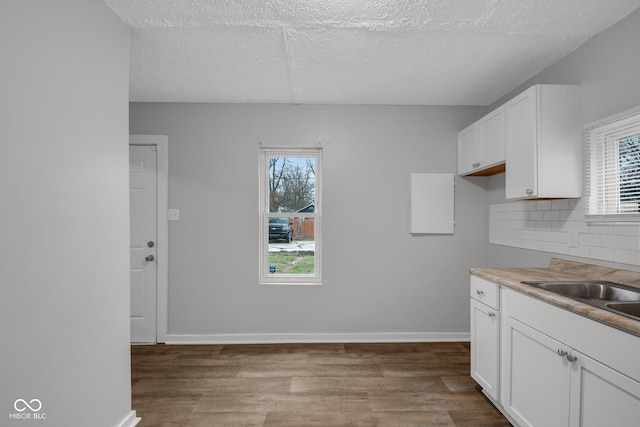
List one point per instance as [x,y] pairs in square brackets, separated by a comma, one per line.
[614,167]
[290,215]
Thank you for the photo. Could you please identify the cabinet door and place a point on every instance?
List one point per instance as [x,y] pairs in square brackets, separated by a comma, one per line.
[521,146]
[492,137]
[536,379]
[601,396]
[485,347]
[468,149]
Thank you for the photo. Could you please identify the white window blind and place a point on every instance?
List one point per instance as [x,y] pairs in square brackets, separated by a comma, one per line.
[613,167]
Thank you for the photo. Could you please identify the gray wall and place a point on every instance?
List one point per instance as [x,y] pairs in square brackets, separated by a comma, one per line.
[64,303]
[377,277]
[607,69]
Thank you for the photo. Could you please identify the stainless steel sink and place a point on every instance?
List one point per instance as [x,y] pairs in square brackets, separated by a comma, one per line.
[630,308]
[613,297]
[599,291]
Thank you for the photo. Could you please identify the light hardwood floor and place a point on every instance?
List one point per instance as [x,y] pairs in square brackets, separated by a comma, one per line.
[397,384]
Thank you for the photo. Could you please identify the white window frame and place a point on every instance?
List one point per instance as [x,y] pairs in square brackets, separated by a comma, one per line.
[289,279]
[602,146]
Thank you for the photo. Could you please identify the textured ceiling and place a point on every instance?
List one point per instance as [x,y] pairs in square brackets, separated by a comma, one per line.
[420,52]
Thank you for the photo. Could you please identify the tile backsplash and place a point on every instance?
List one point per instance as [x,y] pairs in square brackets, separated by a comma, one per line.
[559,226]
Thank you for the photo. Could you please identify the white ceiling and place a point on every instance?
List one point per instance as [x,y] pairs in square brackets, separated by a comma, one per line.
[398,52]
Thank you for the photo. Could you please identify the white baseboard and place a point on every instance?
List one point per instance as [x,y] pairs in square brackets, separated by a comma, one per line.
[131,420]
[373,337]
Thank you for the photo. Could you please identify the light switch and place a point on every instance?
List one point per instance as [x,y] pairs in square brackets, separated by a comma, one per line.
[173,214]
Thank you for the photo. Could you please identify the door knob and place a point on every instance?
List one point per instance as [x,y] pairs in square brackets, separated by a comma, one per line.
[149,258]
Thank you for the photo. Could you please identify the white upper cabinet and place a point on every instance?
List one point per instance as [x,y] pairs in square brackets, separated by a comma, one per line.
[481,146]
[544,143]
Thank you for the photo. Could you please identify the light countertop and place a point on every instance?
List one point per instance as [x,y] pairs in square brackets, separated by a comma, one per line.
[560,269]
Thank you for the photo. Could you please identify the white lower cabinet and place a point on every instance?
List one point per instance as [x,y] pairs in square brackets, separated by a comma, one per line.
[547,382]
[601,396]
[536,378]
[553,367]
[485,347]
[485,336]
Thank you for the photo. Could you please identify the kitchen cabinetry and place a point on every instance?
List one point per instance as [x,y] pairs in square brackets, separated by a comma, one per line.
[481,146]
[537,378]
[485,336]
[544,143]
[548,377]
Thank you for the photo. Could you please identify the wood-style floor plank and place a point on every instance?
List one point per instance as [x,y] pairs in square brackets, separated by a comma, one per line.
[361,385]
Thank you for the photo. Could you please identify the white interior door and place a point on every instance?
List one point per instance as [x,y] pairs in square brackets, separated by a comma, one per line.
[143,204]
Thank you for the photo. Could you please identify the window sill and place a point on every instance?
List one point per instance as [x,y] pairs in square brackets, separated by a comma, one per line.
[290,283]
[613,218]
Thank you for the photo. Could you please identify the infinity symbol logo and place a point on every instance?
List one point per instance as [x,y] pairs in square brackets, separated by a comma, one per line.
[37,405]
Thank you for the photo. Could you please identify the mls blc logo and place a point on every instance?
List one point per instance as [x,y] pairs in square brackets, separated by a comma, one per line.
[27,410]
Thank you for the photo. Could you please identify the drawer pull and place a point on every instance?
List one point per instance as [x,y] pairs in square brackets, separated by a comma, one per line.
[479,292]
[492,315]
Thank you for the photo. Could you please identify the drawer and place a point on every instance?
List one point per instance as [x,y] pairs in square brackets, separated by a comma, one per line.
[485,292]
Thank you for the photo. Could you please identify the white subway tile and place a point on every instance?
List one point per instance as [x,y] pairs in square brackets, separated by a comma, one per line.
[577,204]
[552,216]
[535,245]
[543,205]
[627,230]
[551,236]
[513,206]
[559,226]
[580,227]
[626,257]
[605,254]
[588,239]
[565,215]
[632,243]
[529,205]
[543,225]
[614,242]
[600,229]
[537,235]
[575,215]
[560,248]
[582,251]
[496,215]
[536,215]
[510,232]
[557,205]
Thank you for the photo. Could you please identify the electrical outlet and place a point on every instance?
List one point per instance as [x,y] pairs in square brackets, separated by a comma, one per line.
[573,239]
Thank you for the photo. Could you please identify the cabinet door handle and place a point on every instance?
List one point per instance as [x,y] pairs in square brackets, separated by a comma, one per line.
[571,358]
[475,164]
[491,314]
[562,353]
[529,191]
[479,292]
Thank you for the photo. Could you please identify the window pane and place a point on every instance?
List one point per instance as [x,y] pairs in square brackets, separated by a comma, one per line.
[629,173]
[291,245]
[292,184]
[290,216]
